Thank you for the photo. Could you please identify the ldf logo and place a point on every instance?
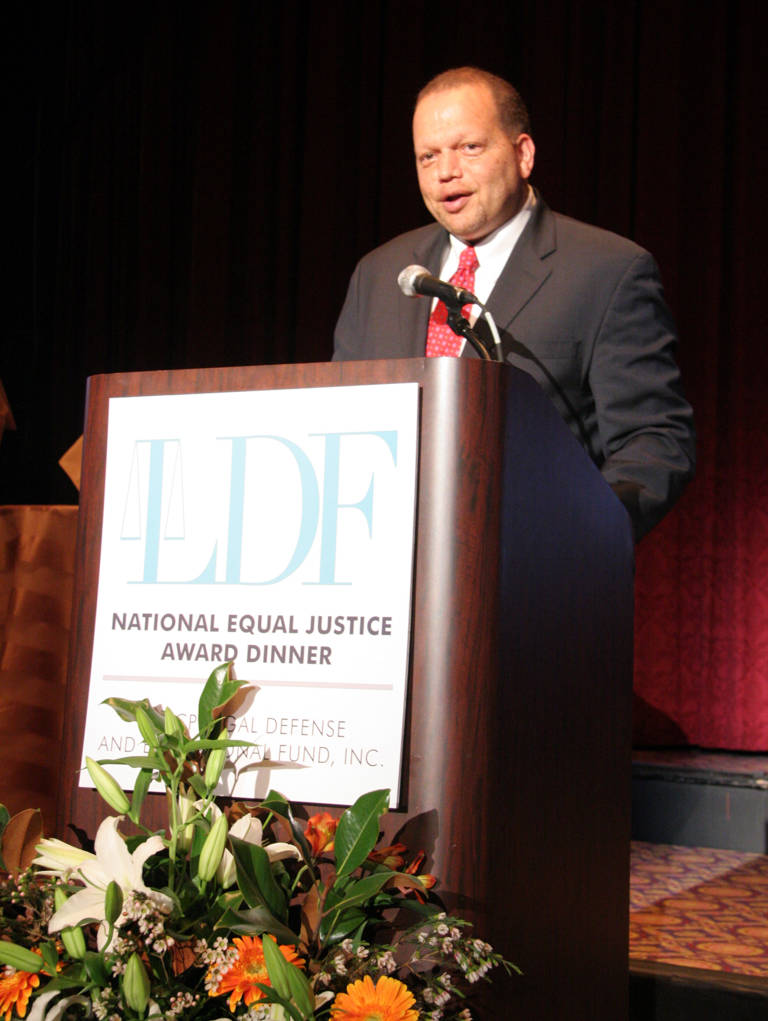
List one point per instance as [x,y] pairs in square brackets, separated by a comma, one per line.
[319,503]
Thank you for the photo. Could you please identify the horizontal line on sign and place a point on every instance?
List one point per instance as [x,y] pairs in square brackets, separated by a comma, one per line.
[323,684]
[259,684]
[159,680]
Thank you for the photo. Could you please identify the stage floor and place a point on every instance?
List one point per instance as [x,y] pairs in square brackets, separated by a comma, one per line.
[694,907]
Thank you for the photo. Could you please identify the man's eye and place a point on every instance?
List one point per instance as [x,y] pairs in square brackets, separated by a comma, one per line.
[425,158]
[472,147]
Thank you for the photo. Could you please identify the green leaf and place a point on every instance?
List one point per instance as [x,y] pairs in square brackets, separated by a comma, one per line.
[96,968]
[301,991]
[73,977]
[356,893]
[197,784]
[126,710]
[277,967]
[228,899]
[279,805]
[255,879]
[217,692]
[287,980]
[258,920]
[358,831]
[50,956]
[270,995]
[135,761]
[140,788]
[20,958]
[338,929]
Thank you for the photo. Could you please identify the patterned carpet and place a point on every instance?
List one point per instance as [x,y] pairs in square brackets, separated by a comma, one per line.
[696,907]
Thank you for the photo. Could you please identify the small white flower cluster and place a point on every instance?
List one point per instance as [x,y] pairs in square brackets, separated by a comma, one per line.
[385,961]
[123,949]
[181,1002]
[352,960]
[443,957]
[436,959]
[438,1014]
[260,1012]
[477,961]
[150,920]
[101,1002]
[474,957]
[219,958]
[339,962]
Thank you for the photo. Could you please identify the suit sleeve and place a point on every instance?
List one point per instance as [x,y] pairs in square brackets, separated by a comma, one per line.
[645,422]
[346,337]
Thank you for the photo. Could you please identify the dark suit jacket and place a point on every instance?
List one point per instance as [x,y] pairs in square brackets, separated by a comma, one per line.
[582,311]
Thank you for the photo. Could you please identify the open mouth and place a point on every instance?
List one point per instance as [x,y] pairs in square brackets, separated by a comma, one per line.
[455,203]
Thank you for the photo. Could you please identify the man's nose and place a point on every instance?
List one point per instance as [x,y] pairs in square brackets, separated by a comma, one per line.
[448,165]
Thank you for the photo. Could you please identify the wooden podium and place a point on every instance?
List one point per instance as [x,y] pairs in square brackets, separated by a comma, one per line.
[517,747]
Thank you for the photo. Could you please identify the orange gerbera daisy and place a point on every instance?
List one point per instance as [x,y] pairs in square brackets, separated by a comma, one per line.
[249,968]
[388,1000]
[15,991]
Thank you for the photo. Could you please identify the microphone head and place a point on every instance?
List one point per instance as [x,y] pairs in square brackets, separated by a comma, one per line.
[408,279]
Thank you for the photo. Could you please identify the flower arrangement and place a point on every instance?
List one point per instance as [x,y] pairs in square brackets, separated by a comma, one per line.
[240,913]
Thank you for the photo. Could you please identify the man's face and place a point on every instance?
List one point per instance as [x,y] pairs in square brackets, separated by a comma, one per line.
[472,175]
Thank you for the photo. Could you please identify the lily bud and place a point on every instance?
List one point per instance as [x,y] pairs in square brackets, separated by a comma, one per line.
[213,849]
[187,809]
[72,937]
[136,984]
[173,725]
[108,787]
[214,766]
[113,903]
[146,726]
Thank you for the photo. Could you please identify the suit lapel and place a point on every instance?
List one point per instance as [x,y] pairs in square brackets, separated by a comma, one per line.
[526,268]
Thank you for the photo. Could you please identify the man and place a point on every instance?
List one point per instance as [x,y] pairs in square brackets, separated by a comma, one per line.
[578,308]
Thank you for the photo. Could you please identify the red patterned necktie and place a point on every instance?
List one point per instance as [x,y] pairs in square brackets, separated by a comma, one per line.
[442,342]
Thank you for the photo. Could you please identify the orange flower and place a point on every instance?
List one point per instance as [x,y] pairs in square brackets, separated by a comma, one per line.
[249,968]
[427,880]
[392,856]
[15,991]
[320,832]
[388,1000]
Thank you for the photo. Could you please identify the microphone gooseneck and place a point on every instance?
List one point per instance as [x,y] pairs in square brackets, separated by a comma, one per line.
[415,281]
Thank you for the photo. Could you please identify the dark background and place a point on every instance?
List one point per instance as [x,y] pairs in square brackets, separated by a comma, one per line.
[192,184]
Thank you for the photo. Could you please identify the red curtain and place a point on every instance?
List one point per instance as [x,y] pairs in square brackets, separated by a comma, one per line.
[194,185]
[701,649]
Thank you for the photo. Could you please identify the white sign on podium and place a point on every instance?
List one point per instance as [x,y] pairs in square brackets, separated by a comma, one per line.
[273,528]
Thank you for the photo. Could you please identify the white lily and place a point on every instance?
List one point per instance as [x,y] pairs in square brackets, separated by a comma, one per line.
[247,828]
[41,1011]
[58,858]
[112,862]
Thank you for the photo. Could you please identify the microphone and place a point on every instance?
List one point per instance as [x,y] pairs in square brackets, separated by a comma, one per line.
[415,280]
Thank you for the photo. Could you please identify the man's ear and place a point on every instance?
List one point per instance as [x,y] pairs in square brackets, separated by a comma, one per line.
[526,152]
